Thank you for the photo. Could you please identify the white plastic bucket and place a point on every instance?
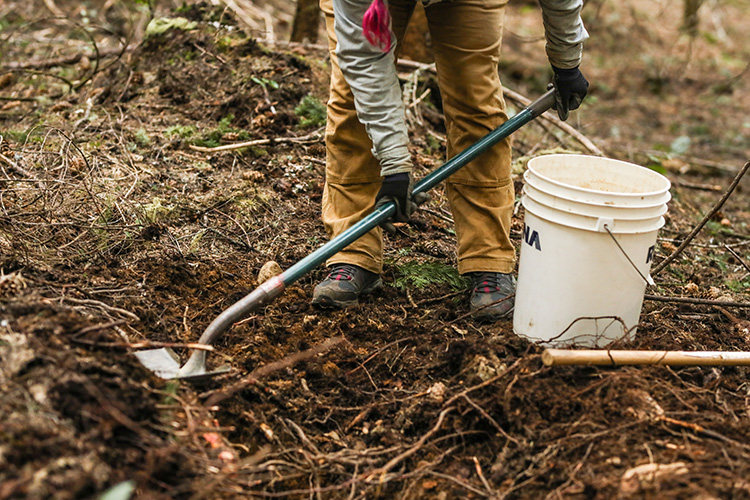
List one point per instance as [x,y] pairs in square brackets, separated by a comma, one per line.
[589,234]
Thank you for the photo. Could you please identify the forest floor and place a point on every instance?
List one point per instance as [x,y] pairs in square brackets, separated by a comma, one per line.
[117,233]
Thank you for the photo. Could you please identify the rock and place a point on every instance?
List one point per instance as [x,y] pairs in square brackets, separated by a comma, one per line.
[268,271]
[437,392]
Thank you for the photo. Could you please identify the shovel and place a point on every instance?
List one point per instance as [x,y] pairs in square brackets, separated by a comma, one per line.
[164,363]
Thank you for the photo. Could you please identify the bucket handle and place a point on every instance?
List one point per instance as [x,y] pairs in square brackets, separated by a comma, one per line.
[648,279]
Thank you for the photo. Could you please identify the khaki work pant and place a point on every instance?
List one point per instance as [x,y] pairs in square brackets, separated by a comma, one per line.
[466,36]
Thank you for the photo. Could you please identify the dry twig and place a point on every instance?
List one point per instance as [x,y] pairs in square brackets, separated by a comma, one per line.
[291,360]
[378,475]
[523,101]
[695,300]
[64,60]
[703,222]
[315,136]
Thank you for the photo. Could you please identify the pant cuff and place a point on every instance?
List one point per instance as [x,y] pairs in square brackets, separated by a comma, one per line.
[371,265]
[473,265]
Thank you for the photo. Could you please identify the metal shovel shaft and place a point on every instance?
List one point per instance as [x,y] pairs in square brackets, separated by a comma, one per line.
[273,287]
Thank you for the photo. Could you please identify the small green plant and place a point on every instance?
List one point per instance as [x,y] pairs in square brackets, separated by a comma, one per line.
[120,491]
[265,83]
[680,145]
[181,131]
[195,242]
[213,137]
[423,274]
[433,144]
[224,44]
[739,285]
[156,210]
[311,111]
[19,136]
[142,138]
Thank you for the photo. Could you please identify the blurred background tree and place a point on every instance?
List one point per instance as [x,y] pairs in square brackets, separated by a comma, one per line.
[306,21]
[690,20]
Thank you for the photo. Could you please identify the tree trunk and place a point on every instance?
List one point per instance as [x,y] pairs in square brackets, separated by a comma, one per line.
[690,17]
[306,21]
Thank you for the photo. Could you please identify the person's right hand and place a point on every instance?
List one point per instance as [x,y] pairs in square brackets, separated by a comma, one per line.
[398,189]
[570,89]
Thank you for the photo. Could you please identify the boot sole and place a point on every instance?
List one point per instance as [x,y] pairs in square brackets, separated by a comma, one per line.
[491,318]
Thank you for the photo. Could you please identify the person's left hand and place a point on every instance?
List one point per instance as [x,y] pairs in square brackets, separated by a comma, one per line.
[570,89]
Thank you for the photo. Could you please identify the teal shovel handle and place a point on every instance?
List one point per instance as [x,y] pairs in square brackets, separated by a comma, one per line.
[274,287]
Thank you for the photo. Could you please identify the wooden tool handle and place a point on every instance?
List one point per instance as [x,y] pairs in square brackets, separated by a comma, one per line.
[603,357]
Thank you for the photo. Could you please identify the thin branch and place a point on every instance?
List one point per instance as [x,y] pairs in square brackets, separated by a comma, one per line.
[255,375]
[703,222]
[738,257]
[258,142]
[90,302]
[20,170]
[693,300]
[699,187]
[147,344]
[585,141]
[524,101]
[379,473]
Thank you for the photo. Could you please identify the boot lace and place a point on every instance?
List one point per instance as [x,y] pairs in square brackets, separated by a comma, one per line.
[487,282]
[342,272]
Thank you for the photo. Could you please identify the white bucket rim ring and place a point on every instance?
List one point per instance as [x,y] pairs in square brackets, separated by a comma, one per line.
[656,224]
[652,173]
[636,213]
[665,194]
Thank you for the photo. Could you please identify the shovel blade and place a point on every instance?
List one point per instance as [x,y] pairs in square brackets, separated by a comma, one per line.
[164,363]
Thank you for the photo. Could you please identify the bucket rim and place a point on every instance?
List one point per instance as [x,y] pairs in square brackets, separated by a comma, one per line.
[666,196]
[588,222]
[564,185]
[577,207]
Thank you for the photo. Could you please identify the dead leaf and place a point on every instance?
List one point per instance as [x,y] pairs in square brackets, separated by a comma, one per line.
[642,476]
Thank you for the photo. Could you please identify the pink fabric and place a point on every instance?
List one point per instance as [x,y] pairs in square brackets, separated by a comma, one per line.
[376,25]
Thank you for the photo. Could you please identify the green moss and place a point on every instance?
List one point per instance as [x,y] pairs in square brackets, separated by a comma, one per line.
[423,274]
[142,138]
[311,111]
[19,136]
[212,138]
[182,131]
[739,285]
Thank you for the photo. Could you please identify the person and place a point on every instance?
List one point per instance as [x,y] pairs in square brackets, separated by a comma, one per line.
[367,156]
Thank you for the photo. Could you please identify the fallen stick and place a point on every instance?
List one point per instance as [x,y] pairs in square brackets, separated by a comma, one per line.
[257,142]
[146,344]
[604,357]
[656,270]
[523,101]
[64,61]
[696,300]
[216,397]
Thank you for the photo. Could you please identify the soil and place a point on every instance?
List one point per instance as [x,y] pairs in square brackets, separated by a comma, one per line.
[117,234]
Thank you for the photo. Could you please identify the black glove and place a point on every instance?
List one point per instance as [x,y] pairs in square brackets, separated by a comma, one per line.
[397,188]
[570,89]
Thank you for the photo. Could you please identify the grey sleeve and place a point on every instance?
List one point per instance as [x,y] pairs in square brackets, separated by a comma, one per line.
[371,74]
[564,31]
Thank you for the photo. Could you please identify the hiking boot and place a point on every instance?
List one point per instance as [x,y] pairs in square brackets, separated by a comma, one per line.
[344,285]
[491,295]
